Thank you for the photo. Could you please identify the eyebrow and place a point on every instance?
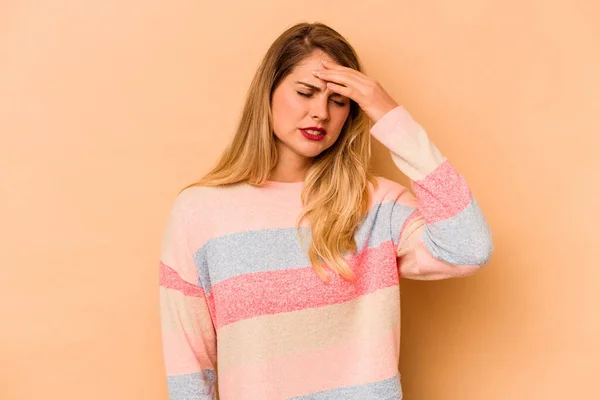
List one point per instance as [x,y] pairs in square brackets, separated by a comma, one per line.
[318,89]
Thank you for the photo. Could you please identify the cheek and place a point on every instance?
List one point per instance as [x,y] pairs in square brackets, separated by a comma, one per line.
[292,104]
[286,101]
[339,117]
[290,110]
[287,108]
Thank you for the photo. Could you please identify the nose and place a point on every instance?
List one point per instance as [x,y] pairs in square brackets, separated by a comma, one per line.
[320,109]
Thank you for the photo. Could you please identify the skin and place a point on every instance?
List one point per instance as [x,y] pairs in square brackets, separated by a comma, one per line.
[292,111]
[326,105]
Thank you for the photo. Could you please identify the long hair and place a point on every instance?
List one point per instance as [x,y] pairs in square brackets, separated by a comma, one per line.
[335,196]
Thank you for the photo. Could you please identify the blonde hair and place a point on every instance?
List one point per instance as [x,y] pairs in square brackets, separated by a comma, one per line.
[335,196]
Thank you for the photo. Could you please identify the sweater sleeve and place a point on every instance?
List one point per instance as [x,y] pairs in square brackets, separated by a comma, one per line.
[188,334]
[446,234]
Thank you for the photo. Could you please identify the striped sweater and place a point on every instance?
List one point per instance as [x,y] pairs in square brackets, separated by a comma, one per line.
[238,294]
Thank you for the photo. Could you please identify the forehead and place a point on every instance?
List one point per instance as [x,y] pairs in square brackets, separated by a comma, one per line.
[311,63]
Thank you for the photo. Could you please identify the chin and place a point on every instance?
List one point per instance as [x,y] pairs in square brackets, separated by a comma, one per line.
[311,151]
[309,154]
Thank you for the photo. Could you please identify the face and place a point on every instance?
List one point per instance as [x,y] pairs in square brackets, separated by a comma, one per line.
[303,101]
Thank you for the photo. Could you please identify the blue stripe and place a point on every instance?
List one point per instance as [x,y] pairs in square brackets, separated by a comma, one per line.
[464,239]
[389,389]
[265,250]
[196,386]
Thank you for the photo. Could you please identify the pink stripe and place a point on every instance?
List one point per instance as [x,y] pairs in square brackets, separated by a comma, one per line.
[442,194]
[170,279]
[272,292]
[349,363]
[210,302]
[186,354]
[413,215]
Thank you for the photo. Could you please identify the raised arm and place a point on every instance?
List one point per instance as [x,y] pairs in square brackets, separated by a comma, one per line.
[446,235]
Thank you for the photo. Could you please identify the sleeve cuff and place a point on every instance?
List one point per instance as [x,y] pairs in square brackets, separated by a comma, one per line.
[412,151]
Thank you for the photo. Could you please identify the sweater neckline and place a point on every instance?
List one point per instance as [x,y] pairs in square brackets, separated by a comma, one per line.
[283,185]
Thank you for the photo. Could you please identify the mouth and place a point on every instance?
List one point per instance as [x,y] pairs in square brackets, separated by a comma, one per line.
[313,133]
[314,130]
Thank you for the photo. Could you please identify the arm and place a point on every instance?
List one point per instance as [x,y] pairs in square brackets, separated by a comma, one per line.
[447,235]
[188,334]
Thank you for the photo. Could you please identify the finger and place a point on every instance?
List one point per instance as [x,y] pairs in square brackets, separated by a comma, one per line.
[339,77]
[332,65]
[343,90]
[353,74]
[337,67]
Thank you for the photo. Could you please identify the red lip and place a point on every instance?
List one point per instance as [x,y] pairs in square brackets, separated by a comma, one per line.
[316,128]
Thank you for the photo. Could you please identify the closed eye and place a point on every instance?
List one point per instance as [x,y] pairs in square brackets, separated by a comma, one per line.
[339,103]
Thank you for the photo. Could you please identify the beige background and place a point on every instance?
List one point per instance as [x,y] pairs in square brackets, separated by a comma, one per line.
[107,108]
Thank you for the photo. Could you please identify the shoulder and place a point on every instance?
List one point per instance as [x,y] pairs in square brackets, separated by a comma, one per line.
[387,189]
[195,201]
[198,210]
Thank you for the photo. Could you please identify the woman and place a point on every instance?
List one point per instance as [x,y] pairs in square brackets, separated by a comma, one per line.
[280,268]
